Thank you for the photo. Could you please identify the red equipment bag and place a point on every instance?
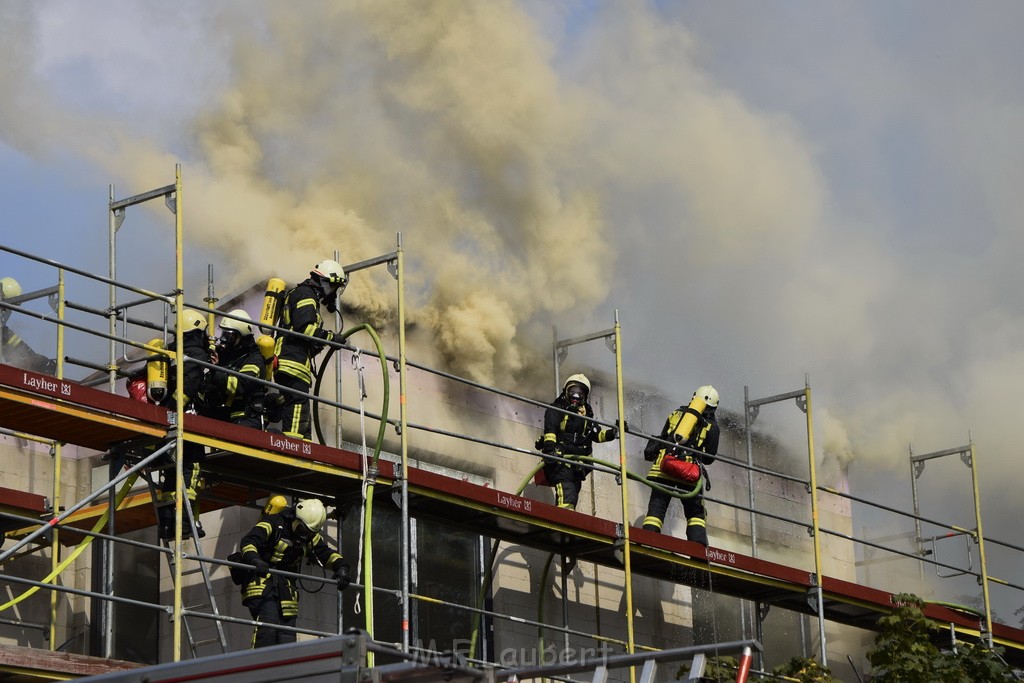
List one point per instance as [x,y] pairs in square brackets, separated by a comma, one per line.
[540,478]
[137,389]
[678,468]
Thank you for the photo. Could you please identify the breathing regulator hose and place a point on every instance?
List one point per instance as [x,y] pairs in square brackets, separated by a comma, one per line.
[485,585]
[368,501]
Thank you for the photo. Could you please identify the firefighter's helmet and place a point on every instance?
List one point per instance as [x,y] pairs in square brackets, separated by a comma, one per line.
[709,394]
[311,513]
[240,326]
[330,276]
[194,320]
[577,389]
[9,288]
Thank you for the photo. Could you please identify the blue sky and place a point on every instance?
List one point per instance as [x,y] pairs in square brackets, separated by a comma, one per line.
[762,190]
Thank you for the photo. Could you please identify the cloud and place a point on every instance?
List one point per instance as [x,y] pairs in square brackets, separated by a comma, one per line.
[761,196]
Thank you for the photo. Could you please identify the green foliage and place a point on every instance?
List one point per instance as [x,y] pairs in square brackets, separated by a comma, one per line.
[805,670]
[903,651]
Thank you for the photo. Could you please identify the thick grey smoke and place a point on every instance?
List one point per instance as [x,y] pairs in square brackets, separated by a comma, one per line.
[824,192]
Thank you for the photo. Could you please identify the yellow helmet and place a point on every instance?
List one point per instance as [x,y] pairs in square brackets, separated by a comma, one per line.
[9,288]
[194,320]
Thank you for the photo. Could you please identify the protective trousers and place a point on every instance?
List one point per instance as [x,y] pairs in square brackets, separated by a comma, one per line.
[693,508]
[295,408]
[566,481]
[268,611]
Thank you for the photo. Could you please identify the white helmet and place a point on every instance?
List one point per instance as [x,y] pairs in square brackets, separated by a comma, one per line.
[311,513]
[330,272]
[9,288]
[577,379]
[576,389]
[709,394]
[240,326]
[194,320]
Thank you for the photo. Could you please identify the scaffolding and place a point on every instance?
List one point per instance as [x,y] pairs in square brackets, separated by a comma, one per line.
[248,465]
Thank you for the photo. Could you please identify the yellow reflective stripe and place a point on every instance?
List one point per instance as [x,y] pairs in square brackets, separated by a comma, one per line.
[696,521]
[249,369]
[249,548]
[298,370]
[230,390]
[651,520]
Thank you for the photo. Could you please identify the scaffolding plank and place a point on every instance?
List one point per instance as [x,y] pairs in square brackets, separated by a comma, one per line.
[37,664]
[79,414]
[68,412]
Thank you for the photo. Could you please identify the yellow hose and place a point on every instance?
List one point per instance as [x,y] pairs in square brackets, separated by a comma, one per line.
[100,523]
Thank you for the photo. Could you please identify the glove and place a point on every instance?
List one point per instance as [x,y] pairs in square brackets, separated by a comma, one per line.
[261,566]
[549,448]
[343,575]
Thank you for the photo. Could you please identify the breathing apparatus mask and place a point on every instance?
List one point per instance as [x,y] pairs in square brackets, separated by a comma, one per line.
[227,343]
[576,395]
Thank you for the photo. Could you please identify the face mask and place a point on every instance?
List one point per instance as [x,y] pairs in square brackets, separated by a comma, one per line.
[575,395]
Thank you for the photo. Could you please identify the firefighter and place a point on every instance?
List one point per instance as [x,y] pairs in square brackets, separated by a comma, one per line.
[196,347]
[281,538]
[694,427]
[229,397]
[569,436]
[13,349]
[300,313]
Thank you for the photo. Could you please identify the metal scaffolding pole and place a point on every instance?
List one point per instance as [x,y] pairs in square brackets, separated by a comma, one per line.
[620,403]
[55,453]
[171,195]
[967,456]
[751,408]
[560,349]
[814,521]
[403,418]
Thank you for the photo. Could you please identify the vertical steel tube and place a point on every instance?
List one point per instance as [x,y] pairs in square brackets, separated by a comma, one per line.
[337,372]
[554,359]
[917,513]
[758,628]
[402,420]
[814,521]
[565,604]
[981,546]
[55,452]
[107,552]
[628,579]
[179,407]
[211,300]
[750,473]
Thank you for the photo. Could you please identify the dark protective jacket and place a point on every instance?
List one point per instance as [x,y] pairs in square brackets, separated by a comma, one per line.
[571,435]
[17,353]
[704,437]
[196,346]
[300,312]
[232,398]
[274,540]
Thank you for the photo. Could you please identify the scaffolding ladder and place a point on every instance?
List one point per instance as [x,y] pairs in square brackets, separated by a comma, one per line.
[192,529]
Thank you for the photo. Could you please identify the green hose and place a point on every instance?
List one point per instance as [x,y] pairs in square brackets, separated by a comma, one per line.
[368,514]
